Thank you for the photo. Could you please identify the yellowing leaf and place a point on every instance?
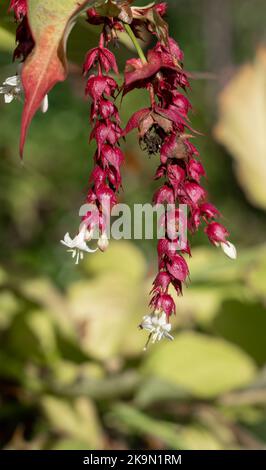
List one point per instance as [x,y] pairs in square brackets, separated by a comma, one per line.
[122,257]
[202,365]
[242,126]
[7,40]
[77,420]
[102,309]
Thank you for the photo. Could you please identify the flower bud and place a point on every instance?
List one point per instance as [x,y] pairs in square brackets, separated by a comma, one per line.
[103,242]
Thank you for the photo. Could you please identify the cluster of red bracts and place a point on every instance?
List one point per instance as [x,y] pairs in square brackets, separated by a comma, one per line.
[106,176]
[164,129]
[24,39]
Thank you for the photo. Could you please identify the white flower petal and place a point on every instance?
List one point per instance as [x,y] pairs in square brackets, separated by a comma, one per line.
[67,241]
[12,81]
[158,327]
[44,104]
[229,249]
[8,97]
[77,245]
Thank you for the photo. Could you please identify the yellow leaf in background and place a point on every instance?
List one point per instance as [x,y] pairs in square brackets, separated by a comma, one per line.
[122,257]
[204,366]
[242,126]
[102,310]
[74,420]
[7,40]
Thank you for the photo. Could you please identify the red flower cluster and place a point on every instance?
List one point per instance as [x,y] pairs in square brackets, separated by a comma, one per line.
[106,177]
[24,39]
[164,129]
[19,7]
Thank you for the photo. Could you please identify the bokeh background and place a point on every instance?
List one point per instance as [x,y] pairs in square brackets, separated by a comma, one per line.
[73,374]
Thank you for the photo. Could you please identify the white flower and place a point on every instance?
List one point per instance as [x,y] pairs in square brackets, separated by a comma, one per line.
[103,242]
[77,245]
[44,104]
[12,88]
[228,248]
[158,326]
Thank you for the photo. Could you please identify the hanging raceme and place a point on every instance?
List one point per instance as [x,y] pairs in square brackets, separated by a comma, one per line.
[163,128]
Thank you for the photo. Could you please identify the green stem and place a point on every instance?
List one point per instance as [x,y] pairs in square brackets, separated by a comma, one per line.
[136,43]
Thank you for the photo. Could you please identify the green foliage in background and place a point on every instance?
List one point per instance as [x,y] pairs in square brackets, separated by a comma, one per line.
[73,374]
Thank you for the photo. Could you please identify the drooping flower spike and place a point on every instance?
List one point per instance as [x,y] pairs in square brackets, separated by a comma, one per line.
[105,179]
[164,130]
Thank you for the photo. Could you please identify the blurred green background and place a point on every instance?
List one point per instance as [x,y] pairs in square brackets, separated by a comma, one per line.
[73,374]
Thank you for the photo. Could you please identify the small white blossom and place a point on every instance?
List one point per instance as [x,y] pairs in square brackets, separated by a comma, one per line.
[103,242]
[12,88]
[228,248]
[78,245]
[44,104]
[158,326]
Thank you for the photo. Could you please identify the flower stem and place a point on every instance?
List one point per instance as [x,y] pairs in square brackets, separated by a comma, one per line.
[136,43]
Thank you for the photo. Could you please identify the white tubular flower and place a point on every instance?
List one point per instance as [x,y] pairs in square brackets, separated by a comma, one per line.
[12,88]
[77,246]
[229,249]
[103,242]
[158,326]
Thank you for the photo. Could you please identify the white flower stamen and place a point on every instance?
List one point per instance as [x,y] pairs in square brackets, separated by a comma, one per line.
[158,327]
[78,245]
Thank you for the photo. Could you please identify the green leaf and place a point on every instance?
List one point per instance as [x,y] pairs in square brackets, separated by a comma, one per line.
[102,310]
[7,40]
[154,390]
[122,258]
[143,425]
[243,324]
[242,99]
[202,365]
[164,433]
[74,420]
[32,336]
[9,306]
[70,444]
[256,277]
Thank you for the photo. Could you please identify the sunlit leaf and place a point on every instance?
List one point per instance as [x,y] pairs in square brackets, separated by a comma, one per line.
[7,40]
[203,365]
[102,309]
[123,258]
[76,420]
[9,305]
[243,324]
[242,126]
